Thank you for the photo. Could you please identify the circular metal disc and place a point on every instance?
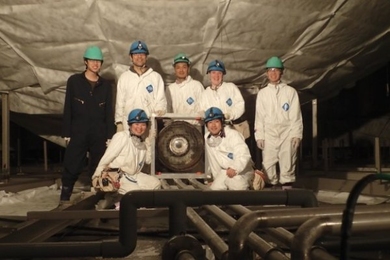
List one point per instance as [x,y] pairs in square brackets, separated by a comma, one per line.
[180,146]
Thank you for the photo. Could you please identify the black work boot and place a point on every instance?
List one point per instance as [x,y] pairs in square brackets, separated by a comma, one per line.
[66,192]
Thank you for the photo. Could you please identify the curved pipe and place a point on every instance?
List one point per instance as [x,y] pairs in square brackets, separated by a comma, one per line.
[284,218]
[176,200]
[314,228]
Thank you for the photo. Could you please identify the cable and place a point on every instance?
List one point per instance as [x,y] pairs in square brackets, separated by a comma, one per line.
[349,210]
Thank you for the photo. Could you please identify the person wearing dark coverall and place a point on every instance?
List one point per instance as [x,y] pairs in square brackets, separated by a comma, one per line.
[88,120]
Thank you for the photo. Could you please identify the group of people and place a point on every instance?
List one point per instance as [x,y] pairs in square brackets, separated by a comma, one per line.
[89,123]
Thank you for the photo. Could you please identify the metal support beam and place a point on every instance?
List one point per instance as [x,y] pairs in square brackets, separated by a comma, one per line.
[5,145]
[314,133]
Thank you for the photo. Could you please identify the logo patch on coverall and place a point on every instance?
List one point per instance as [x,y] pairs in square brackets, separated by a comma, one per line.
[230,156]
[286,106]
[149,88]
[190,100]
[229,102]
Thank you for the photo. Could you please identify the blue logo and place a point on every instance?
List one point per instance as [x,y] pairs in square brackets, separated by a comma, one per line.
[230,156]
[149,88]
[190,100]
[229,102]
[286,106]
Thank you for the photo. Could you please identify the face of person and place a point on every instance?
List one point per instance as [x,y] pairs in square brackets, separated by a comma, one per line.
[138,129]
[216,77]
[274,75]
[181,70]
[93,65]
[214,126]
[139,59]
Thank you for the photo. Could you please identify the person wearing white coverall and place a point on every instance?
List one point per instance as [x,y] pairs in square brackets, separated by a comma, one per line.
[226,96]
[127,153]
[278,126]
[183,96]
[229,160]
[139,87]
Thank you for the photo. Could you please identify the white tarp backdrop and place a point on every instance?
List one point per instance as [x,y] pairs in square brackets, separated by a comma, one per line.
[326,45]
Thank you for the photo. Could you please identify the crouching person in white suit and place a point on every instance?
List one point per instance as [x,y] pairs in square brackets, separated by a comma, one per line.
[126,155]
[228,155]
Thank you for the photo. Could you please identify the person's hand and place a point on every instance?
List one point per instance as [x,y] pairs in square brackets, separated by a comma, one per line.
[67,141]
[295,141]
[227,116]
[119,127]
[260,144]
[108,142]
[231,172]
[160,113]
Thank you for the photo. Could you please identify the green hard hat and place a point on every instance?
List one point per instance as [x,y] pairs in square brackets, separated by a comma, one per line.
[181,57]
[274,62]
[93,53]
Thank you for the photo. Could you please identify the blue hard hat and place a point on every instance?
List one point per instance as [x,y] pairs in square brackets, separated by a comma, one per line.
[139,47]
[137,116]
[216,65]
[213,113]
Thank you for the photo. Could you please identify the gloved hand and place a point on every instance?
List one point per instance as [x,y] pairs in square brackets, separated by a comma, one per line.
[119,127]
[160,113]
[260,144]
[295,141]
[200,114]
[67,140]
[227,116]
[108,142]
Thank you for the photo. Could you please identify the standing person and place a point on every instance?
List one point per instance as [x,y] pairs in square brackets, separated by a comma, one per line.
[126,155]
[228,155]
[226,96]
[278,125]
[184,94]
[88,122]
[139,87]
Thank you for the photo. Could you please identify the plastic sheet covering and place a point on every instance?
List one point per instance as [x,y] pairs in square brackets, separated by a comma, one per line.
[325,45]
[38,199]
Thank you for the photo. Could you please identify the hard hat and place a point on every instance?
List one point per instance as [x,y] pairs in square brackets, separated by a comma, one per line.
[274,62]
[213,113]
[181,57]
[216,65]
[139,47]
[137,116]
[93,53]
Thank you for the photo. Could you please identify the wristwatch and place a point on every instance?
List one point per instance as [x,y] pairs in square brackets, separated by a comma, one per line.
[118,123]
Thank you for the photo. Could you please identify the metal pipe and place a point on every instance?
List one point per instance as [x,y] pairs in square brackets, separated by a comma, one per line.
[283,235]
[126,243]
[284,218]
[215,242]
[260,246]
[286,237]
[316,227]
[5,145]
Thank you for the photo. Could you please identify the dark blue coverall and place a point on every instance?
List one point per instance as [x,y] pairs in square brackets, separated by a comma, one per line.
[89,121]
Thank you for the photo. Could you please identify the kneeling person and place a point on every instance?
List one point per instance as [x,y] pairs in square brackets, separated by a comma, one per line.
[127,153]
[228,155]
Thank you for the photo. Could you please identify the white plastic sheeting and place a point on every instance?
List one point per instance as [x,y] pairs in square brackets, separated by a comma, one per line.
[325,44]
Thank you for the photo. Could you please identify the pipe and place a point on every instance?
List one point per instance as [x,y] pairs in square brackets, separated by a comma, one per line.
[261,247]
[126,243]
[283,235]
[215,242]
[284,218]
[316,227]
[286,237]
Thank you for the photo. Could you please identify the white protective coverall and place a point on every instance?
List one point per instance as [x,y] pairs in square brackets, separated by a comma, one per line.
[184,98]
[230,151]
[128,154]
[144,91]
[227,97]
[278,119]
